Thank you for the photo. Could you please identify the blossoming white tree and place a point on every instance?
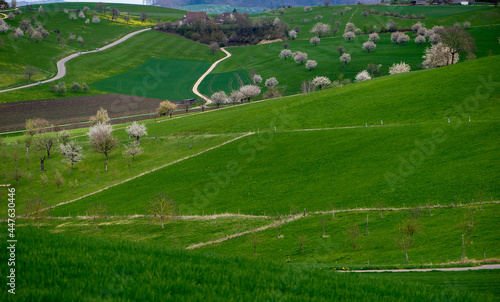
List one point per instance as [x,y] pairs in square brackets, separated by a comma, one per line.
[299,57]
[363,76]
[285,53]
[250,91]
[395,36]
[310,64]
[81,14]
[101,138]
[271,82]
[314,40]
[349,27]
[219,98]
[321,82]
[96,19]
[349,35]
[374,37]
[236,96]
[402,39]
[321,29]
[136,130]
[292,34]
[72,153]
[439,55]
[399,68]
[419,40]
[257,79]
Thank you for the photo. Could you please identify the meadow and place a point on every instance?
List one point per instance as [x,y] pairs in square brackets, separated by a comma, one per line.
[89,176]
[439,240]
[69,267]
[177,78]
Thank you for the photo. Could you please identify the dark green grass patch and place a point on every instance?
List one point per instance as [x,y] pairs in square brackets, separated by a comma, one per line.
[170,79]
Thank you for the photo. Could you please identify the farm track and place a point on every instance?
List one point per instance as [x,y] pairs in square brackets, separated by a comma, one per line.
[61,64]
[445,269]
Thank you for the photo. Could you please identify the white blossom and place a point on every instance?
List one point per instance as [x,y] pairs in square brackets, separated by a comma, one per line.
[363,76]
[136,130]
[399,68]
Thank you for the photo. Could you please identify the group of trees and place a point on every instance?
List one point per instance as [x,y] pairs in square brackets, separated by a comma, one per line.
[241,31]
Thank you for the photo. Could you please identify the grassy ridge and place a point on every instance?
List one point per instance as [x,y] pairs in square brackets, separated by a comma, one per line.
[124,57]
[177,79]
[317,169]
[440,238]
[63,267]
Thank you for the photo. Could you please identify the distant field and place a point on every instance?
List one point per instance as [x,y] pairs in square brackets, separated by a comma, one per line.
[217,9]
[177,78]
[124,57]
[68,267]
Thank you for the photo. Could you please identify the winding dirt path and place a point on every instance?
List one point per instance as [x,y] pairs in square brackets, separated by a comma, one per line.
[61,67]
[195,87]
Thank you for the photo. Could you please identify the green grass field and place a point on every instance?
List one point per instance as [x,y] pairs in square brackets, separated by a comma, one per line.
[318,169]
[441,15]
[440,238]
[225,81]
[124,57]
[264,59]
[69,267]
[177,79]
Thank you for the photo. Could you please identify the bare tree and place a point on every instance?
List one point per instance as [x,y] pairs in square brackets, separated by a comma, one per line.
[17,174]
[35,209]
[44,180]
[45,142]
[30,71]
[161,207]
[352,232]
[214,46]
[101,138]
[341,49]
[97,212]
[58,180]
[302,240]
[403,243]
[307,87]
[143,16]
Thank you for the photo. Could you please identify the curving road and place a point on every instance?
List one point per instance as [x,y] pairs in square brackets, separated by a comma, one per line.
[61,68]
[195,87]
